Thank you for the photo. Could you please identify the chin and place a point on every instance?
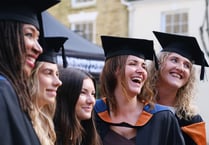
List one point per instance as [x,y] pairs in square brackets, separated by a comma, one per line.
[27,71]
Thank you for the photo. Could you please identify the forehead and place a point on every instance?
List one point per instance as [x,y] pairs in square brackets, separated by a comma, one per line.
[88,83]
[30,27]
[50,66]
[134,58]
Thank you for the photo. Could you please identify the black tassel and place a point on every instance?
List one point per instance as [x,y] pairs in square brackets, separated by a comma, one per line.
[64,59]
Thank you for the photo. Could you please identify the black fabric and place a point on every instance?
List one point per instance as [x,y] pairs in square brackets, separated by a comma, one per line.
[114,46]
[183,122]
[51,46]
[25,11]
[15,125]
[161,129]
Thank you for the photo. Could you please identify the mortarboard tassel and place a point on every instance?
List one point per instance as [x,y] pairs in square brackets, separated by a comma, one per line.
[202,71]
[156,62]
[64,59]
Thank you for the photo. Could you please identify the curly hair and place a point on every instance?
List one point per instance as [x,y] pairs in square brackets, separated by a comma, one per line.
[185,95]
[42,118]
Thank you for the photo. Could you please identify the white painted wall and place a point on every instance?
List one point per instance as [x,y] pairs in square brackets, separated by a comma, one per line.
[145,16]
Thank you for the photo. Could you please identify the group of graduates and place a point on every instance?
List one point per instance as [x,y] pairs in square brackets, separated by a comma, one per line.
[146,98]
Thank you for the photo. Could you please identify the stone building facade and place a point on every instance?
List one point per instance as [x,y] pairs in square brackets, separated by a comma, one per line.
[109,17]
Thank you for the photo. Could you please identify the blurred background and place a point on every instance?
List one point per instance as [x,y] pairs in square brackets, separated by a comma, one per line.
[84,21]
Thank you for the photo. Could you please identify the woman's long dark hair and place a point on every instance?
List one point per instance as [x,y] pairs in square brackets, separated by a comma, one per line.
[12,59]
[69,130]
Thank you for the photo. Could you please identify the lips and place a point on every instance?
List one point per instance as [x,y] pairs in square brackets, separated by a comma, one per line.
[30,61]
[137,79]
[176,75]
[52,92]
[87,109]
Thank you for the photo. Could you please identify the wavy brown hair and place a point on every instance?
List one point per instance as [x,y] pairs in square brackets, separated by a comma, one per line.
[109,82]
[185,95]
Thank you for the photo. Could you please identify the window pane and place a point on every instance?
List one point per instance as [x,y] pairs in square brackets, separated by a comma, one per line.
[176,18]
[184,28]
[176,22]
[85,30]
[184,17]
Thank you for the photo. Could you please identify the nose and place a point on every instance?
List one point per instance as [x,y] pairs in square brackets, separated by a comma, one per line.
[140,69]
[57,81]
[90,99]
[37,48]
[180,67]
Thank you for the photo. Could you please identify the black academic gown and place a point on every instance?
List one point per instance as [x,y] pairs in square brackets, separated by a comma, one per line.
[157,126]
[193,130]
[15,125]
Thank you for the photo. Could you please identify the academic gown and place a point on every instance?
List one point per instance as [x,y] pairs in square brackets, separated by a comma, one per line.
[157,126]
[193,130]
[15,125]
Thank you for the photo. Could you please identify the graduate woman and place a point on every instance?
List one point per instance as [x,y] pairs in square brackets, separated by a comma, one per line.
[44,84]
[19,49]
[126,113]
[74,121]
[174,82]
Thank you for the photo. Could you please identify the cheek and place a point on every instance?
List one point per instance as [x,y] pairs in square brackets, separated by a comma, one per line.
[44,82]
[28,44]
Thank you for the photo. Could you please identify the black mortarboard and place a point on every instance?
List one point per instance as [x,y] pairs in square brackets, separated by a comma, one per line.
[186,46]
[51,47]
[114,46]
[24,10]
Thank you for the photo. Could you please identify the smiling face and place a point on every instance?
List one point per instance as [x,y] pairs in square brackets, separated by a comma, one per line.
[135,75]
[48,82]
[86,100]
[175,71]
[33,49]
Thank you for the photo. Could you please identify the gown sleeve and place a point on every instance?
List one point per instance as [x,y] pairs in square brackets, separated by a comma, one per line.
[15,125]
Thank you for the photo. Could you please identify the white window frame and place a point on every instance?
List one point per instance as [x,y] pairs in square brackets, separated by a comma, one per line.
[77,4]
[83,18]
[172,24]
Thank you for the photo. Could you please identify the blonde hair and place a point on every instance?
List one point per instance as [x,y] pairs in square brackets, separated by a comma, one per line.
[185,95]
[42,118]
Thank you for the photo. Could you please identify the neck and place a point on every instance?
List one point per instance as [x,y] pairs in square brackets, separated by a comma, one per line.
[127,103]
[166,95]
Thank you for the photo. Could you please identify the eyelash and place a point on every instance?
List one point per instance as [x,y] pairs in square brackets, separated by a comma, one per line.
[29,35]
[176,60]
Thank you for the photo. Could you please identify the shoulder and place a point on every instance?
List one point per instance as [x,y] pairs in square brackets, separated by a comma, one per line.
[4,83]
[156,109]
[100,105]
[160,114]
[195,119]
[8,95]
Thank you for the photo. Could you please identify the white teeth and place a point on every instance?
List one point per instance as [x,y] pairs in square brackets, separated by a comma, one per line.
[176,75]
[31,59]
